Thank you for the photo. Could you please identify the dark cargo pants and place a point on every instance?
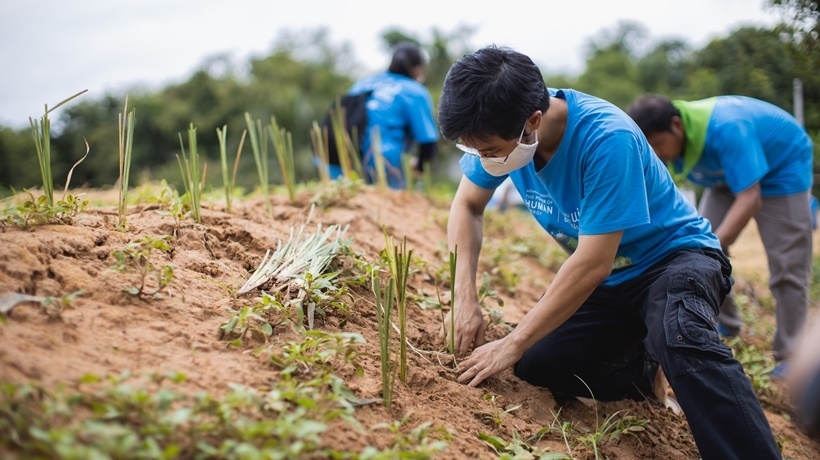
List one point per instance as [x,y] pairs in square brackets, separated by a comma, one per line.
[665,317]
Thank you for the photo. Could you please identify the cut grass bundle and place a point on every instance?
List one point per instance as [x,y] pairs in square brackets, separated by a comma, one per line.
[398,261]
[41,132]
[260,156]
[300,264]
[229,181]
[384,310]
[283,144]
[302,253]
[126,138]
[191,178]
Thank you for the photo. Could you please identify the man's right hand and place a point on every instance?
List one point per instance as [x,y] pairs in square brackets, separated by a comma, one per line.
[469,329]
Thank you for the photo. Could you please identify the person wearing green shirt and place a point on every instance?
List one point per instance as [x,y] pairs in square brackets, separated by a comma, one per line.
[754,161]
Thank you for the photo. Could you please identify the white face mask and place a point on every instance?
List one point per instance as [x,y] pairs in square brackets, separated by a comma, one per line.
[521,155]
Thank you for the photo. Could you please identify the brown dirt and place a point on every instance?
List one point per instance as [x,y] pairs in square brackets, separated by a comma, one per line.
[107,332]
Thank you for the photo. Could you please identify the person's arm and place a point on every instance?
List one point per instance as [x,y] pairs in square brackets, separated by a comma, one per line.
[579,275]
[747,203]
[464,233]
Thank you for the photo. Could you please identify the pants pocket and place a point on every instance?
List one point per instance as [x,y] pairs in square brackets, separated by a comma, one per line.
[690,322]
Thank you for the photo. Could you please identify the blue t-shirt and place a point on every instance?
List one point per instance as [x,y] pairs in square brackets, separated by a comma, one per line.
[605,178]
[749,141]
[402,109]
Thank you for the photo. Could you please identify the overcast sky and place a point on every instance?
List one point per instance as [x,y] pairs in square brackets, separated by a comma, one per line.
[52,49]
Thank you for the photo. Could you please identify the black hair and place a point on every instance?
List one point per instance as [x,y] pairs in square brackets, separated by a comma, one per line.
[653,113]
[491,92]
[406,57]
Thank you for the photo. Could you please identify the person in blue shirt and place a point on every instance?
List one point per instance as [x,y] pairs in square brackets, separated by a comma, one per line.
[754,160]
[638,296]
[399,114]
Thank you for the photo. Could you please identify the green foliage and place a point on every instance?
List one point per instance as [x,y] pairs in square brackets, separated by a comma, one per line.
[171,204]
[112,418]
[136,258]
[36,211]
[814,286]
[55,305]
[758,366]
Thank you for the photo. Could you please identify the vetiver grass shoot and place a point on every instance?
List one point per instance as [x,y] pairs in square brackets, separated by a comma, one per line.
[398,260]
[319,140]
[407,168]
[451,345]
[229,178]
[260,156]
[283,144]
[194,182]
[384,309]
[41,132]
[378,157]
[347,147]
[125,141]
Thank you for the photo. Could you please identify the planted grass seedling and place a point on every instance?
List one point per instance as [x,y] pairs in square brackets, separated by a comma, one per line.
[191,178]
[125,139]
[346,145]
[136,258]
[398,262]
[319,140]
[451,345]
[260,157]
[229,178]
[41,132]
[384,309]
[378,159]
[283,144]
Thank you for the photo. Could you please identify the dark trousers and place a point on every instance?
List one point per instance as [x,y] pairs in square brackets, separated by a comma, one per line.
[611,347]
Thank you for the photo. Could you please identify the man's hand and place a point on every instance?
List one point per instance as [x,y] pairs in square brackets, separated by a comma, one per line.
[469,329]
[488,360]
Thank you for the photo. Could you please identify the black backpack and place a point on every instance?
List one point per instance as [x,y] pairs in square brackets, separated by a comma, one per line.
[354,106]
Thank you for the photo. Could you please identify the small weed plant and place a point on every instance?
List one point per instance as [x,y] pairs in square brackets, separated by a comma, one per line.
[36,211]
[136,258]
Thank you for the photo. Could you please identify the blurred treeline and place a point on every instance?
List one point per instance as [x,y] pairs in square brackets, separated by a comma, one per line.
[296,82]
